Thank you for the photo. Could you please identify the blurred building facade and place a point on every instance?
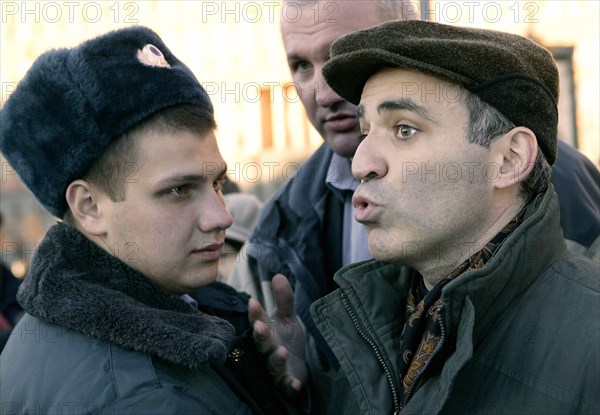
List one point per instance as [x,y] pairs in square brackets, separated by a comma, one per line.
[235,50]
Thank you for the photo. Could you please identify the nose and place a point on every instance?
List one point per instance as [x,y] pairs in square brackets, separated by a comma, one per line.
[213,215]
[324,95]
[368,162]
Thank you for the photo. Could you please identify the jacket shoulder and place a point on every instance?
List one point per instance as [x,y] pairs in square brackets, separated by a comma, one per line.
[524,356]
[577,183]
[305,188]
[580,270]
[291,217]
[52,365]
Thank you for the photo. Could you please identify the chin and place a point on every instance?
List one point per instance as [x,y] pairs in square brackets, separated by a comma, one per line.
[208,279]
[381,251]
[344,145]
[201,281]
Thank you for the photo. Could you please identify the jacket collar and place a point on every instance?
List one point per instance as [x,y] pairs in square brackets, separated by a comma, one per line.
[296,209]
[377,292]
[76,284]
[290,223]
[517,263]
[309,185]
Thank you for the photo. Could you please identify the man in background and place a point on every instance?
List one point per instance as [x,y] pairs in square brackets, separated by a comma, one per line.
[306,231]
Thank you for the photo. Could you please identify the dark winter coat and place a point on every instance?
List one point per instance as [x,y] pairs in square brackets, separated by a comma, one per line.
[525,329]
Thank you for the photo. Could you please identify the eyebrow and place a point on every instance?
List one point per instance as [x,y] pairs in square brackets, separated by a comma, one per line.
[184,178]
[295,56]
[396,105]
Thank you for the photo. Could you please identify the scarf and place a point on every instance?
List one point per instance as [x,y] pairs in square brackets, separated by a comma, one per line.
[423,343]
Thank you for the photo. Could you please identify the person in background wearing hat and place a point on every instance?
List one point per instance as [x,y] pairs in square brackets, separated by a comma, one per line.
[244,209]
[473,304]
[116,137]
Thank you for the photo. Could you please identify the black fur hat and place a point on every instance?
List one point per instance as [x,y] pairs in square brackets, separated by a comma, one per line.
[73,102]
[511,73]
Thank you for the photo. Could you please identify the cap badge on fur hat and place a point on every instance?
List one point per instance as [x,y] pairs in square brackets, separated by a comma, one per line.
[73,103]
[152,56]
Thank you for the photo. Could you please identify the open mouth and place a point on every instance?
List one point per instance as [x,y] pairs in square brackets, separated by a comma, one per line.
[364,209]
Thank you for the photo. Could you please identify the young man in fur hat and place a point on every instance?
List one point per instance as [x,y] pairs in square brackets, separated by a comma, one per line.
[116,136]
[473,304]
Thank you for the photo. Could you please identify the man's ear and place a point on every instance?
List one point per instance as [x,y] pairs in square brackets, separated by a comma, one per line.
[515,153]
[83,200]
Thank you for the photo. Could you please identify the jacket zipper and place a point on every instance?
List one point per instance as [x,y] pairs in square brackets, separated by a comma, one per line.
[368,339]
[424,368]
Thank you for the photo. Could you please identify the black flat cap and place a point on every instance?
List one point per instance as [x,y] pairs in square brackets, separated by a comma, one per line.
[513,74]
[73,102]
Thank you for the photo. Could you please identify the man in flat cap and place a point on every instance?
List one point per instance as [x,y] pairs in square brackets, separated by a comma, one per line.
[473,303]
[116,137]
[306,231]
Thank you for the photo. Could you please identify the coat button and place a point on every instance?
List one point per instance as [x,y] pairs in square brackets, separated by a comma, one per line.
[231,301]
[236,354]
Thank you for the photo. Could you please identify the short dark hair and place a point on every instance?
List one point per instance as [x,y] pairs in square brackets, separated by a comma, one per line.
[110,172]
[487,123]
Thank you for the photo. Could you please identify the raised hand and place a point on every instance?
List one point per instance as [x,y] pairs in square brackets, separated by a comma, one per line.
[281,336]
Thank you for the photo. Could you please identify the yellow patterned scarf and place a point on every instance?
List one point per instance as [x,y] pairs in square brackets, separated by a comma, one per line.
[424,342]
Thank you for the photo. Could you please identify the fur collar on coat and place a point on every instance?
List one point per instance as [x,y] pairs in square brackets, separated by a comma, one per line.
[76,284]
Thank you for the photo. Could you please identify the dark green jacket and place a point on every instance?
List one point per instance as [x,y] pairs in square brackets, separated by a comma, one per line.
[526,327]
